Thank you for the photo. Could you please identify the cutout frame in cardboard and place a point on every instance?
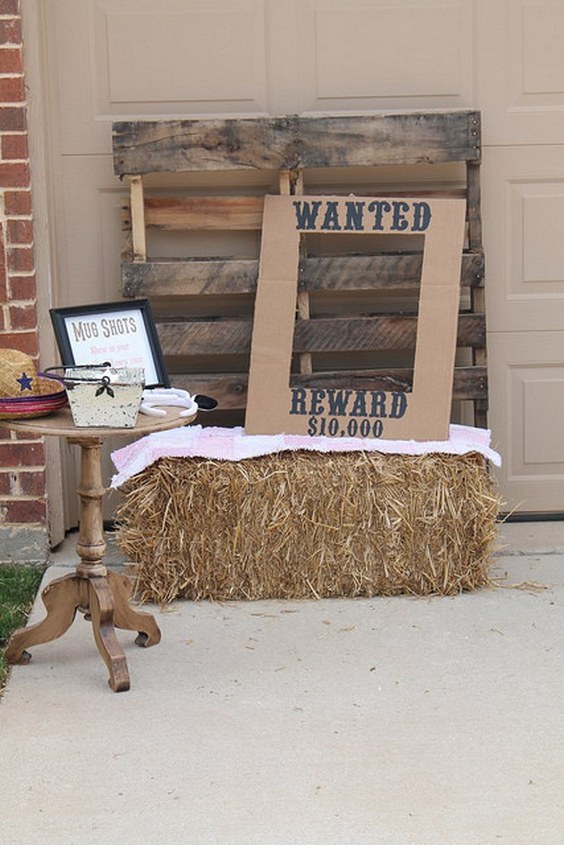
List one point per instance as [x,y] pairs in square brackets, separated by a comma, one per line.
[273,407]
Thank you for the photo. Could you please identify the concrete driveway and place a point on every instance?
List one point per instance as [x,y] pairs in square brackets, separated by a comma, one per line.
[387,721]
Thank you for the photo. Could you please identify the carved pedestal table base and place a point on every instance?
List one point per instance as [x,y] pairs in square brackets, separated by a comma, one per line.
[102,596]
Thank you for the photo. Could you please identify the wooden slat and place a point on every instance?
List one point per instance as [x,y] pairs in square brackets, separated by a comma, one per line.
[231,337]
[304,304]
[232,212]
[355,335]
[400,138]
[138,238]
[228,276]
[190,277]
[479,355]
[287,143]
[473,204]
[220,337]
[468,382]
[385,271]
[376,333]
[202,213]
[230,389]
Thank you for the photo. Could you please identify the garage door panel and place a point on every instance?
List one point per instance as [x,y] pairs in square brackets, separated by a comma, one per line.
[378,54]
[212,54]
[523,209]
[542,207]
[543,443]
[131,58]
[521,70]
[527,417]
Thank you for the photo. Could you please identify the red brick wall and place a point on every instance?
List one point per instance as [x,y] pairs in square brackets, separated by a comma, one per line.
[22,460]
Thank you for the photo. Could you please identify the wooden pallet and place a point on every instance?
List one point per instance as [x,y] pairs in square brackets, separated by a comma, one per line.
[356,313]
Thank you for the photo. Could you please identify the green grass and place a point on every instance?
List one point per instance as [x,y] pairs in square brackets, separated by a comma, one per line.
[18,588]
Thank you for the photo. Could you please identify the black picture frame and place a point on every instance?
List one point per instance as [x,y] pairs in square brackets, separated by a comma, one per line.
[123,333]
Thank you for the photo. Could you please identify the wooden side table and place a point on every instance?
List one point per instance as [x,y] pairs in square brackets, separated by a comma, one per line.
[102,596]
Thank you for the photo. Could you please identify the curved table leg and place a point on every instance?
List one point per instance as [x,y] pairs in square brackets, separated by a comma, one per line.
[102,612]
[129,618]
[103,597]
[61,599]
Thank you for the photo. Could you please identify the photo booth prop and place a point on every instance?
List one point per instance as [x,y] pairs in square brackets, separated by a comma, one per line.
[123,333]
[202,527]
[25,393]
[422,413]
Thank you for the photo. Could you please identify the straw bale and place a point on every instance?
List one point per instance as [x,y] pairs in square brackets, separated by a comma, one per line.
[302,524]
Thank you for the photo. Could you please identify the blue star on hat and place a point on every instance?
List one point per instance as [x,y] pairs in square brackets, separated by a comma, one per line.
[25,382]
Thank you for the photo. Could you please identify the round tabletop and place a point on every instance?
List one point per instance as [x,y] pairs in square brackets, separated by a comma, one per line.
[61,423]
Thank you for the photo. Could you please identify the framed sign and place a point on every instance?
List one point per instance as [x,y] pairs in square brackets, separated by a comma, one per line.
[422,414]
[122,333]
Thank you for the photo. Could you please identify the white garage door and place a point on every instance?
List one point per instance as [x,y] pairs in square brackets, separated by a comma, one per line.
[105,60]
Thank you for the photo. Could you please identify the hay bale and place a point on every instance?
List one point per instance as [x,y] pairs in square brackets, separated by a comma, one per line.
[301,525]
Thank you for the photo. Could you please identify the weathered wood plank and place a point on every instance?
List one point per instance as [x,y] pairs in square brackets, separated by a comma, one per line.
[473,205]
[481,413]
[287,143]
[232,212]
[202,213]
[402,138]
[227,276]
[233,337]
[468,382]
[376,333]
[303,302]
[138,234]
[218,276]
[181,145]
[385,271]
[220,337]
[230,389]
[355,335]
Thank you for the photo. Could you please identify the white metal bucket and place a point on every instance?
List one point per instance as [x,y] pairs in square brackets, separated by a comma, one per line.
[107,397]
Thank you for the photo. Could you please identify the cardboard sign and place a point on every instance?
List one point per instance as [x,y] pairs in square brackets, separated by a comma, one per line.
[422,414]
